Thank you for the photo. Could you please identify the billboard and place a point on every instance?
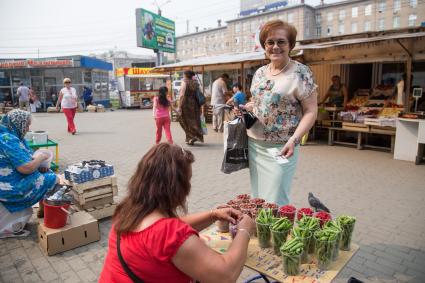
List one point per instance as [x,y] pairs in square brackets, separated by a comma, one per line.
[155,32]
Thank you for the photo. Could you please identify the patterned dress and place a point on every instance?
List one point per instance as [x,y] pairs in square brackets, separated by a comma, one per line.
[190,119]
[19,191]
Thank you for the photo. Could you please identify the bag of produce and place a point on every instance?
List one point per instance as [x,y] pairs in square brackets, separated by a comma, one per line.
[236,147]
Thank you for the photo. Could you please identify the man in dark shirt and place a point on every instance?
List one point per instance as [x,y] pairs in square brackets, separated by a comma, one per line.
[87,96]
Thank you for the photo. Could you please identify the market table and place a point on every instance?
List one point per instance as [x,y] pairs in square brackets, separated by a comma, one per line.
[269,265]
[55,165]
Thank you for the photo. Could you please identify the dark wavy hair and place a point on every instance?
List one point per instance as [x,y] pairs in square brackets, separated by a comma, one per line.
[161,181]
[162,96]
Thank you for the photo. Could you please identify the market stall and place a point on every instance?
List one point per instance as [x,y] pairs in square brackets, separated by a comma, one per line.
[138,86]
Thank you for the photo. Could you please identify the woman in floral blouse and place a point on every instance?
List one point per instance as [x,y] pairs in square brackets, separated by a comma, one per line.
[284,100]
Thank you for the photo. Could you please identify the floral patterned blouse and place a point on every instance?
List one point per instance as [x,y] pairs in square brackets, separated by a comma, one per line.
[277,102]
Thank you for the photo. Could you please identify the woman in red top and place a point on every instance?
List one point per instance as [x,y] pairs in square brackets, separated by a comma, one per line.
[158,246]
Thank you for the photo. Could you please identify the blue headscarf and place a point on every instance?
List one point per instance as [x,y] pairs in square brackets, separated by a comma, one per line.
[16,122]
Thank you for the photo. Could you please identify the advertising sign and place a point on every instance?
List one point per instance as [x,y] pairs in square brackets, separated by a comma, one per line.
[155,32]
[32,63]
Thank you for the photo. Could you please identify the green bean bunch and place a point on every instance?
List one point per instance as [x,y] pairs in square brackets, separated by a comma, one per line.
[334,225]
[291,252]
[305,236]
[312,224]
[325,242]
[347,225]
[280,230]
[264,219]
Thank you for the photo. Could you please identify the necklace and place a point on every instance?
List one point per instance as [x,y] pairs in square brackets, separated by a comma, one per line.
[270,69]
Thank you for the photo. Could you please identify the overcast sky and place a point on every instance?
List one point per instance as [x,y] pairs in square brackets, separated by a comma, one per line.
[57,27]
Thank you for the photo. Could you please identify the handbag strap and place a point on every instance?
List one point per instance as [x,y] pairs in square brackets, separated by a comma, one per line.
[124,265]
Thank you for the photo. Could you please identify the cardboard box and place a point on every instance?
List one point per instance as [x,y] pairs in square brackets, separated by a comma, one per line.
[82,230]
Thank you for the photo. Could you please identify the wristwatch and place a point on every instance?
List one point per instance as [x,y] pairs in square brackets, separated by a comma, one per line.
[296,141]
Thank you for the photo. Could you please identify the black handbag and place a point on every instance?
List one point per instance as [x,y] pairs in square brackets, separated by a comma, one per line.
[249,119]
[124,265]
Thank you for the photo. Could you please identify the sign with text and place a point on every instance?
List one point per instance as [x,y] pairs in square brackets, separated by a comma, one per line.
[155,32]
[31,63]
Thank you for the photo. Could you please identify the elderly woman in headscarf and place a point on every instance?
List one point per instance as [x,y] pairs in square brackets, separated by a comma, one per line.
[22,182]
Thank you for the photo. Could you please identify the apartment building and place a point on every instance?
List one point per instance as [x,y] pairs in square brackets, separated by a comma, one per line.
[356,16]
[345,17]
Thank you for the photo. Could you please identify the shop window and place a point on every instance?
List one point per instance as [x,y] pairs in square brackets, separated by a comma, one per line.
[396,22]
[368,10]
[354,12]
[4,78]
[413,3]
[367,26]
[237,27]
[35,72]
[341,15]
[330,16]
[412,20]
[397,5]
[353,27]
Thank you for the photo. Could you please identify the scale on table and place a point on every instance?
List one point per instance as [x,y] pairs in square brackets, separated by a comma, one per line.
[417,93]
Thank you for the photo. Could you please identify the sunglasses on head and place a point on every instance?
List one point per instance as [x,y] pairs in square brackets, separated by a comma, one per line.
[279,42]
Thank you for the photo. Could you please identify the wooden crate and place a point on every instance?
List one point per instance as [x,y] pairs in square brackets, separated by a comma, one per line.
[80,188]
[94,203]
[100,211]
[94,194]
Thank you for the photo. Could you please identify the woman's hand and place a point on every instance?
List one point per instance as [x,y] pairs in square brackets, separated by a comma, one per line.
[288,149]
[227,214]
[247,223]
[43,169]
[249,106]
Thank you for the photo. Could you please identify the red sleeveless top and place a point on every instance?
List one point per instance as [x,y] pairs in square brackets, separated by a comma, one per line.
[148,253]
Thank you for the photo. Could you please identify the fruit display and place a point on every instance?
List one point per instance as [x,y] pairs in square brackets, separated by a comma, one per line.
[274,207]
[280,230]
[323,216]
[288,211]
[325,243]
[358,101]
[307,211]
[291,255]
[347,225]
[389,112]
[263,221]
[258,202]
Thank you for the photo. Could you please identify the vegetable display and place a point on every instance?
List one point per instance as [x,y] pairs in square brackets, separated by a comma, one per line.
[291,255]
[305,236]
[347,225]
[334,225]
[325,244]
[323,216]
[263,221]
[307,211]
[280,230]
[288,211]
[311,224]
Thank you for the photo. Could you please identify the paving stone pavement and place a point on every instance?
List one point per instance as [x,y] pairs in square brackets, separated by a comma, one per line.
[385,195]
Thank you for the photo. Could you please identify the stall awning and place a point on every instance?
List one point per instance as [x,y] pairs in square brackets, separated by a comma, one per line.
[213,60]
[349,41]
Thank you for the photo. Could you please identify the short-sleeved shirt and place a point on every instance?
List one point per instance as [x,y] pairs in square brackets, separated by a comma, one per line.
[24,93]
[69,98]
[218,92]
[148,253]
[277,102]
[239,98]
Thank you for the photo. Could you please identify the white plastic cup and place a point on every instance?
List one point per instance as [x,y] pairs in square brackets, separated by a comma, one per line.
[47,162]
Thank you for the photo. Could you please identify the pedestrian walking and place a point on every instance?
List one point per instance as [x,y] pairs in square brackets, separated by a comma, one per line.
[87,96]
[218,101]
[284,100]
[161,114]
[23,93]
[68,100]
[190,110]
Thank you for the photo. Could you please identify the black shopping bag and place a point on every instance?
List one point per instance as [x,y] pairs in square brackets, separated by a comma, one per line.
[235,147]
